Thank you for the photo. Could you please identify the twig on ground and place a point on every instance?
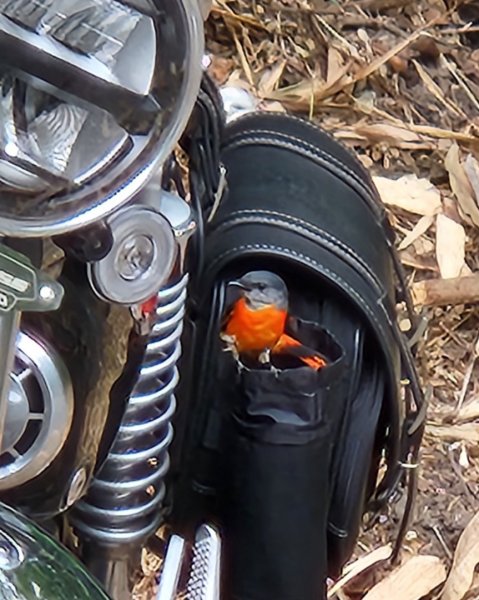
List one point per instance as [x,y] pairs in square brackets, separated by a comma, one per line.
[443,292]
[442,541]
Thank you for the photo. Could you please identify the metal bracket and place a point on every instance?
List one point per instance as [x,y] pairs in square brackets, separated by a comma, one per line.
[22,288]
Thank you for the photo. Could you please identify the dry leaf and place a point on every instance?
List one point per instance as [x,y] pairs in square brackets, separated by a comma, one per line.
[371,134]
[469,432]
[236,80]
[268,106]
[469,411]
[237,20]
[386,57]
[450,247]
[471,167]
[361,564]
[299,95]
[386,132]
[348,47]
[366,40]
[243,58]
[220,69]
[379,61]
[444,134]
[436,91]
[418,230]
[420,263]
[410,193]
[335,65]
[461,79]
[411,581]
[399,134]
[461,186]
[270,78]
[423,246]
[466,558]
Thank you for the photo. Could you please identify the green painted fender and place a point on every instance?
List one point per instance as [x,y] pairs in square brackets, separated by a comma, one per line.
[33,566]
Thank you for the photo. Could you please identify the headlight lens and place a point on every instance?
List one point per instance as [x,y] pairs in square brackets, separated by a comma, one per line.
[94,94]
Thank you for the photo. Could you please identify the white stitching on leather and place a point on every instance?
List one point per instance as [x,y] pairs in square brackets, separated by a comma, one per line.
[313,128]
[236,217]
[311,152]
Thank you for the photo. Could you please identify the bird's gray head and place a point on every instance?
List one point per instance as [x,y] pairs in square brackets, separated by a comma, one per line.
[262,288]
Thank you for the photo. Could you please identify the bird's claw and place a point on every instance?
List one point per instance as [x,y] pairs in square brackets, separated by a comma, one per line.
[275,371]
[230,346]
[228,339]
[265,359]
[241,367]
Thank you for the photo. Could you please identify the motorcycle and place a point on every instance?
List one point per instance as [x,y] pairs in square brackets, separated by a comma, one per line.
[122,171]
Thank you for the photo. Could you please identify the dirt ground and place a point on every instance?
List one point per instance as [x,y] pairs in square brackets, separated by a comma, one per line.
[398,82]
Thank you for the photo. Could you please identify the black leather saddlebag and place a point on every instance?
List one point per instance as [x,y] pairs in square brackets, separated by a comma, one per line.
[288,464]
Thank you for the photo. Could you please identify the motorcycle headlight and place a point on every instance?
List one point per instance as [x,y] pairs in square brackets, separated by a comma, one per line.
[94,94]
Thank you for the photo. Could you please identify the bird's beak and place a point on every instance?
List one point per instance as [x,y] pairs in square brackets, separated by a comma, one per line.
[236,284]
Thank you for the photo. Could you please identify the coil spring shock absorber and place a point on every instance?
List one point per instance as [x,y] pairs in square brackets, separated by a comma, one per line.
[122,508]
[123,505]
[123,500]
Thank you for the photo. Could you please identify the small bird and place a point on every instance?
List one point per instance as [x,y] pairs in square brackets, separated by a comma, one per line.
[255,325]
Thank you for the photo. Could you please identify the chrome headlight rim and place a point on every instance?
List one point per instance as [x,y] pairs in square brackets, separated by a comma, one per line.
[205,7]
[98,204]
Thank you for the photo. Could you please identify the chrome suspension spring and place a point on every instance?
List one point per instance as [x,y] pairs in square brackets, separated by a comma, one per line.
[124,500]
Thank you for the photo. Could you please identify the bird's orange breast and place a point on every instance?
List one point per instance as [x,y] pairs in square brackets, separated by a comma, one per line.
[255,330]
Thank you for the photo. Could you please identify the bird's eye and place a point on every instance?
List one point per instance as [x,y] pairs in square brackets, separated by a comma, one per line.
[261,287]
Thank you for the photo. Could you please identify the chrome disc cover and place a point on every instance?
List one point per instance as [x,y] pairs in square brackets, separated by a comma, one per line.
[39,413]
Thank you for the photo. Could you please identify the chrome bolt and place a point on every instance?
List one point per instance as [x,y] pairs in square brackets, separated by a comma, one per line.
[47,294]
[135,257]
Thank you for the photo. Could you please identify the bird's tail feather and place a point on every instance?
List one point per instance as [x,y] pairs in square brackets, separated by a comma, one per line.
[289,345]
